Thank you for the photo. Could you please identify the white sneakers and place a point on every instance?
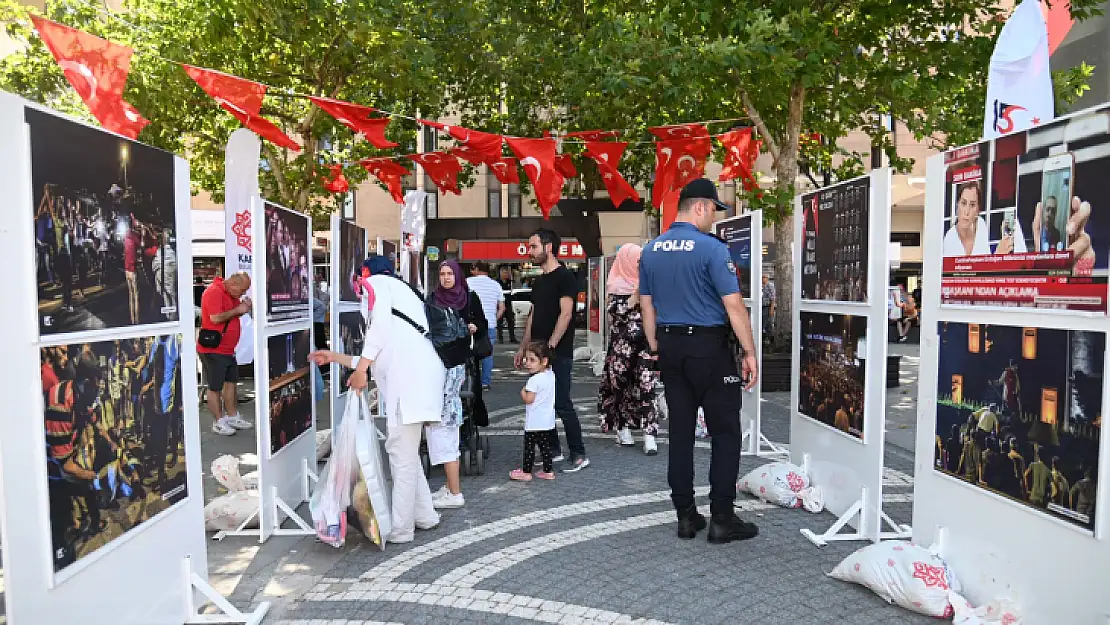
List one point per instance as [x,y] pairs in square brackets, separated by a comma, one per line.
[650,447]
[230,424]
[443,499]
[624,437]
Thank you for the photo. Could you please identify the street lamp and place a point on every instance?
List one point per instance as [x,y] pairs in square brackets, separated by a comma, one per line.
[123,157]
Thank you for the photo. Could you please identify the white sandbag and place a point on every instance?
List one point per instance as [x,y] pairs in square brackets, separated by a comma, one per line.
[583,353]
[782,484]
[226,471]
[904,574]
[323,444]
[251,480]
[228,512]
[997,612]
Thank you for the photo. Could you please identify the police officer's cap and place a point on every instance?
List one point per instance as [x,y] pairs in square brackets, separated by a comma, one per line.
[702,188]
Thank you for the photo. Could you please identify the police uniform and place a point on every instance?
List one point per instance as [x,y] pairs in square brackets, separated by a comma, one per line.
[686,273]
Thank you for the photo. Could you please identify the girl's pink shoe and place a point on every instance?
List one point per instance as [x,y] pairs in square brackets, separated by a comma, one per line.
[545,476]
[520,476]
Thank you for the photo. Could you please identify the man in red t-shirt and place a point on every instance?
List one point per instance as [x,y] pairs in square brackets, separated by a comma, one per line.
[220,308]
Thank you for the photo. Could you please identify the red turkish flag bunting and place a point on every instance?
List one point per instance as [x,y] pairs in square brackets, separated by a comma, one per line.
[336,182]
[358,119]
[565,164]
[670,209]
[442,168]
[677,163]
[468,154]
[594,135]
[486,144]
[607,155]
[243,99]
[537,157]
[390,173]
[679,131]
[505,170]
[741,153]
[97,69]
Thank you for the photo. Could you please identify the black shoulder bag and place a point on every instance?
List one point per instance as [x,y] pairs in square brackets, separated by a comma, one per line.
[211,339]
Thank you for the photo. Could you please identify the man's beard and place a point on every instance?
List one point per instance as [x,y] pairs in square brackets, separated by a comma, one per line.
[540,258]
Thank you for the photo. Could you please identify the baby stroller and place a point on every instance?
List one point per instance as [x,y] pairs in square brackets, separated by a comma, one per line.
[473,447]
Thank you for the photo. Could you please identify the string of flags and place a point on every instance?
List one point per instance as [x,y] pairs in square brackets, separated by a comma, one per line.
[98,70]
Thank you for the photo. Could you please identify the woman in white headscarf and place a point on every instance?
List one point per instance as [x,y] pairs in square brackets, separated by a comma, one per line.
[626,396]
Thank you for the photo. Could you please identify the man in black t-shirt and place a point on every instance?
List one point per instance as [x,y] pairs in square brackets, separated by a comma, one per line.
[552,321]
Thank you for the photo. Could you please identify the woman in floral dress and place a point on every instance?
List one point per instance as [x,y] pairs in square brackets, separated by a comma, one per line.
[626,397]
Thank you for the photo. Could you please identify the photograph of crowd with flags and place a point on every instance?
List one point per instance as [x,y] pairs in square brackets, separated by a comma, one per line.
[287,256]
[290,388]
[1023,224]
[835,242]
[832,371]
[114,437]
[737,235]
[1019,413]
[105,235]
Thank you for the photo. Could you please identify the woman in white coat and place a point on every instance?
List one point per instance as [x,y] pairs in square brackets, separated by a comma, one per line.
[410,377]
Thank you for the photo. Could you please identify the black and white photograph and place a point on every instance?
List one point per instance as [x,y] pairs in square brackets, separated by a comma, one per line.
[352,331]
[288,288]
[290,388]
[115,439]
[835,242]
[833,370]
[352,251]
[105,231]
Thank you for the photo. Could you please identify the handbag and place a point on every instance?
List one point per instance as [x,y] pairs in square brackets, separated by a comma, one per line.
[211,339]
[483,346]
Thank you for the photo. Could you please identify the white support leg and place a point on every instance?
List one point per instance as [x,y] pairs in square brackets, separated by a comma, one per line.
[302,529]
[242,529]
[770,449]
[227,614]
[900,532]
[833,534]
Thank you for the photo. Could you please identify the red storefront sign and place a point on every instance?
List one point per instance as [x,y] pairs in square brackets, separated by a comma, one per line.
[514,251]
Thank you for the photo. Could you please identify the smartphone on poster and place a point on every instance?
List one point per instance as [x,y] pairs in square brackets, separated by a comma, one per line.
[1056,191]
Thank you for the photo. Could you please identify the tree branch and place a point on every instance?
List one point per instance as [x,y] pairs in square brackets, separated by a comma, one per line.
[277,167]
[765,132]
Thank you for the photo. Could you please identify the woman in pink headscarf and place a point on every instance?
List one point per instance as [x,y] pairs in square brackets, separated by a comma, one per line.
[626,397]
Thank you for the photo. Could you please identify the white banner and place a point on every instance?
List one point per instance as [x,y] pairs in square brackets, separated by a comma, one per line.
[241,163]
[1019,88]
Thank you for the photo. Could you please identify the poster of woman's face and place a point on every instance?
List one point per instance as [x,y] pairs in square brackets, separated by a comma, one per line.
[288,283]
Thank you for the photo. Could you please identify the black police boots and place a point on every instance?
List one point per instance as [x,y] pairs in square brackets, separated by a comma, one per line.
[725,528]
[690,522]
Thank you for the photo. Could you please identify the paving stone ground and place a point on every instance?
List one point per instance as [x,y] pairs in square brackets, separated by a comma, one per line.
[594,547]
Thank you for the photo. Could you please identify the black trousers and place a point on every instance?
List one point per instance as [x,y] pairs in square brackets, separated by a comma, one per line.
[699,370]
[507,320]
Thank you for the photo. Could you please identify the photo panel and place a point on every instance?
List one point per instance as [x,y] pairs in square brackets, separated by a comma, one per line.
[290,387]
[737,235]
[1023,225]
[105,231]
[833,370]
[1019,411]
[288,251]
[835,242]
[352,252]
[114,430]
[352,332]
[595,268]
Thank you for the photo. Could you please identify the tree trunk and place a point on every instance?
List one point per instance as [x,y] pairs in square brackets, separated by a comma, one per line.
[786,172]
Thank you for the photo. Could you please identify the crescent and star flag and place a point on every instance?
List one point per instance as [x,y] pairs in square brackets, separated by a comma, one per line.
[593,135]
[468,154]
[505,170]
[669,210]
[679,131]
[565,164]
[358,119]
[1019,87]
[390,173]
[607,155]
[679,161]
[741,153]
[442,168]
[336,182]
[98,71]
[537,157]
[243,99]
[486,144]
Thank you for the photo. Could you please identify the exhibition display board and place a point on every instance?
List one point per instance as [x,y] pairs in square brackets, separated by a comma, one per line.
[595,305]
[743,235]
[1012,389]
[838,394]
[95,343]
[348,326]
[606,265]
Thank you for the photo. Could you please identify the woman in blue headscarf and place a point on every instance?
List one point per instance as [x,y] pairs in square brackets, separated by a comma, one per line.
[410,377]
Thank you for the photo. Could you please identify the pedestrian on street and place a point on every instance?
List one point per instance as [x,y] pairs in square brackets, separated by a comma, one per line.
[221,306]
[551,320]
[493,304]
[626,395]
[509,318]
[690,298]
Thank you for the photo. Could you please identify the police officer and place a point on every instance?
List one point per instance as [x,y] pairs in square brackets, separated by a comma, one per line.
[690,299]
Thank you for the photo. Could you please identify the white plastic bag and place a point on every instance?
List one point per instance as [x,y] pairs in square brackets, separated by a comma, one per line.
[228,512]
[323,444]
[372,508]
[904,574]
[332,494]
[997,612]
[782,484]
